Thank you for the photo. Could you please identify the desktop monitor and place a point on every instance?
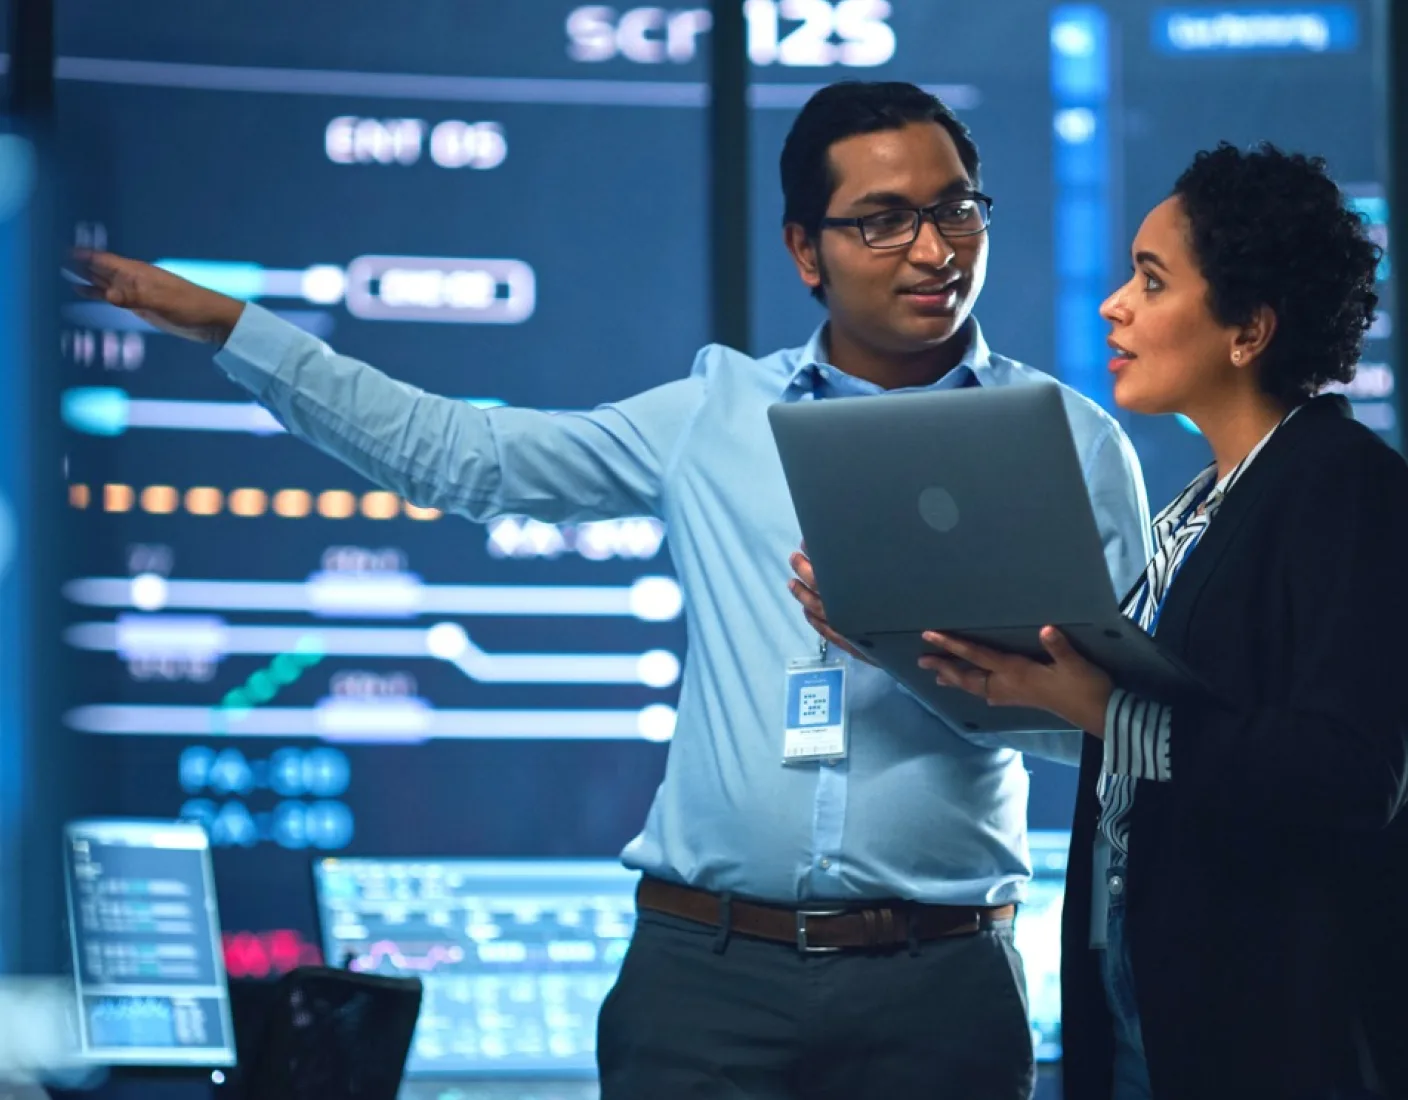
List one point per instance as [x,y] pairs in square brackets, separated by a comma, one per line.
[149,974]
[516,956]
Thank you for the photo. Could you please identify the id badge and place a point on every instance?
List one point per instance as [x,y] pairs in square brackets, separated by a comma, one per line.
[816,712]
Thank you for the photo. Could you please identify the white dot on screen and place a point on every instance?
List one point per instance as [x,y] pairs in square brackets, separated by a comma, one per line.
[656,723]
[446,641]
[324,284]
[148,592]
[656,599]
[1072,40]
[658,669]
[1076,125]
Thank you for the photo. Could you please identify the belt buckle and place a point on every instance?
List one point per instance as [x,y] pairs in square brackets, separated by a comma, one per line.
[805,948]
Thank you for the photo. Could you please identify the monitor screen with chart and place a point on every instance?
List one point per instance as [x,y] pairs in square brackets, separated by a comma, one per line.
[148,969]
[515,956]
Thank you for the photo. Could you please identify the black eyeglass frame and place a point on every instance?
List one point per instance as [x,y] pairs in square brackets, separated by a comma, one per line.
[919,213]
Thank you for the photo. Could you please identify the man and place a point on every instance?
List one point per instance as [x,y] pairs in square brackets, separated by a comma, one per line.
[919,835]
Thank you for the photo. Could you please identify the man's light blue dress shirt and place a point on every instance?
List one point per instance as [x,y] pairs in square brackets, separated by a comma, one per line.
[917,810]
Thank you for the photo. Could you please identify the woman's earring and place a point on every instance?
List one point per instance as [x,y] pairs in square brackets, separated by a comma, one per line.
[1236,357]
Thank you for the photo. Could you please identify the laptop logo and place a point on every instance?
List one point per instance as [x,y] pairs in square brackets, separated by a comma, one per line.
[938,509]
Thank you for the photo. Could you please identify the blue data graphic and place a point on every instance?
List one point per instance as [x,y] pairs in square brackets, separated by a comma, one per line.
[308,784]
[1257,29]
[152,1024]
[132,1021]
[507,204]
[383,288]
[109,410]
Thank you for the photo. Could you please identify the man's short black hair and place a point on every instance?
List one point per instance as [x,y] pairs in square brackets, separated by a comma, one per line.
[843,110]
[1271,228]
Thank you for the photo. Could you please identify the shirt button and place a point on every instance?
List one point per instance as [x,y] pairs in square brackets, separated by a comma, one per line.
[826,865]
[1116,885]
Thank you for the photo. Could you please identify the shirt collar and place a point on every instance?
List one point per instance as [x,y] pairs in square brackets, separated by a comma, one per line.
[814,372]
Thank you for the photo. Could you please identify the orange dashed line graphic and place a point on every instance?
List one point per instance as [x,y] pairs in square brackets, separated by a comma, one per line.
[208,500]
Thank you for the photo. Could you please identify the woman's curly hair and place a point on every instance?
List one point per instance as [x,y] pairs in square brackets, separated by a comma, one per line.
[1271,228]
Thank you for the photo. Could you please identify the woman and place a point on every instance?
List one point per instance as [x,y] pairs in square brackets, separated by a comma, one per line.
[1229,856]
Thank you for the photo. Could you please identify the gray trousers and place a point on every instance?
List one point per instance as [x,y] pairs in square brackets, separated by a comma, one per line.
[695,1014]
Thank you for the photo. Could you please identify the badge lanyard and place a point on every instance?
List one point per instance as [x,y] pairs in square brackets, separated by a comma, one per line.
[815,724]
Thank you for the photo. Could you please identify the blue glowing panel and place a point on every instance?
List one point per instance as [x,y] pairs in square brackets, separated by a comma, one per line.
[1038,936]
[18,175]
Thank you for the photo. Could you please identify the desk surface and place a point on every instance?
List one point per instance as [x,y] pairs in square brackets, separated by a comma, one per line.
[1048,1088]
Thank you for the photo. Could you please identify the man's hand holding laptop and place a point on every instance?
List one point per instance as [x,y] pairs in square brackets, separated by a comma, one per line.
[1068,685]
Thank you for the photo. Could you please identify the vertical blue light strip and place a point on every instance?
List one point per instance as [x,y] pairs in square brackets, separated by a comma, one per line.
[17,167]
[1082,190]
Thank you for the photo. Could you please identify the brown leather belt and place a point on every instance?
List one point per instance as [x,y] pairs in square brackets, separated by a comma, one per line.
[820,929]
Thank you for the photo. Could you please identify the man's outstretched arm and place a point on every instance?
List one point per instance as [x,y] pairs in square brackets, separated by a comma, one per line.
[435,451]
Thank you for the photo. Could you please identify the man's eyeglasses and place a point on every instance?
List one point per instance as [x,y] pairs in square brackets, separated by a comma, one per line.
[898,227]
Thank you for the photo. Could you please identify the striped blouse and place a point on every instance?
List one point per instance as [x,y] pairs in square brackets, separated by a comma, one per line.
[1137,729]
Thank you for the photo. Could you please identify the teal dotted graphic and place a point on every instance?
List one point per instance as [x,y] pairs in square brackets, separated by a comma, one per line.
[263,685]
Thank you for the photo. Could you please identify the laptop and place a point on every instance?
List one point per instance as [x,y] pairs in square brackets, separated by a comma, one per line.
[963,511]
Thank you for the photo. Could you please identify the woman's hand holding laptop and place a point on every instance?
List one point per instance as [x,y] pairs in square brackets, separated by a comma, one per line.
[1068,685]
